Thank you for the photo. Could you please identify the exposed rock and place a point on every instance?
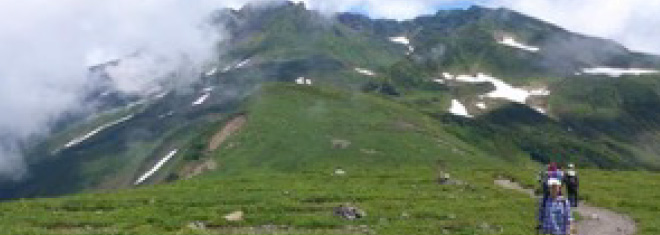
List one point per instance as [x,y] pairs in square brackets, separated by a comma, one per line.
[235,216]
[200,167]
[233,126]
[349,212]
[197,225]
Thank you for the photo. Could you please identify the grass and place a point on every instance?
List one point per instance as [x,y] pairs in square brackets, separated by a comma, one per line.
[631,192]
[397,201]
[279,172]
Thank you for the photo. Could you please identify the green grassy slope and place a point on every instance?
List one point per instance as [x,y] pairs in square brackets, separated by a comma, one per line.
[278,170]
[280,173]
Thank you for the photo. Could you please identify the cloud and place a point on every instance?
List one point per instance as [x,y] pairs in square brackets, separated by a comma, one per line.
[389,9]
[630,22]
[48,45]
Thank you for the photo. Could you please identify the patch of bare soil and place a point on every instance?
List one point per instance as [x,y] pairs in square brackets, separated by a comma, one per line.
[232,127]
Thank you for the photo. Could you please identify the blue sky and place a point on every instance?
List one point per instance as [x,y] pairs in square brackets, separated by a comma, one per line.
[456,5]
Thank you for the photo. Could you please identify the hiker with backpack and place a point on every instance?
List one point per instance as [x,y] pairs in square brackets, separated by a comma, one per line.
[572,183]
[553,172]
[555,216]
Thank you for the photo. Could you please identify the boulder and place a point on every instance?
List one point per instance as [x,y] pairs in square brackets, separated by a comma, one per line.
[234,216]
[349,212]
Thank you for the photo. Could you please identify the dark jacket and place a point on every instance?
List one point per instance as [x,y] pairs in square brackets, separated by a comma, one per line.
[572,182]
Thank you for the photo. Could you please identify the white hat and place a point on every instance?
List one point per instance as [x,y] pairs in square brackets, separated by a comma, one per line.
[570,165]
[554,181]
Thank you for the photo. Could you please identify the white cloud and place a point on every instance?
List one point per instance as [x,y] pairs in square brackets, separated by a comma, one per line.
[631,22]
[390,9]
[48,45]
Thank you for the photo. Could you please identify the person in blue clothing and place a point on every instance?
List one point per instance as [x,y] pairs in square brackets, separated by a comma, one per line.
[553,172]
[555,216]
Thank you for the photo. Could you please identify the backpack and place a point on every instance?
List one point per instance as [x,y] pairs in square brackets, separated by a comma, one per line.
[571,180]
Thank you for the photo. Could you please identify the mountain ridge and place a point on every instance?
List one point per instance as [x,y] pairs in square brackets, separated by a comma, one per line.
[283,42]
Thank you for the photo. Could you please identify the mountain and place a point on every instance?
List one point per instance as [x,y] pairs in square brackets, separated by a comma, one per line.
[481,93]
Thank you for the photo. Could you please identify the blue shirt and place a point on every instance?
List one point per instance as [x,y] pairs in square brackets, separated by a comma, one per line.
[555,216]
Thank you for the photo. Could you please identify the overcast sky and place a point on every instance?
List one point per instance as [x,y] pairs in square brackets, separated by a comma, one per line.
[46,45]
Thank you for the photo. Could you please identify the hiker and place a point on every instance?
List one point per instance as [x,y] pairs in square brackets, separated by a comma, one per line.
[543,179]
[555,212]
[571,181]
[555,172]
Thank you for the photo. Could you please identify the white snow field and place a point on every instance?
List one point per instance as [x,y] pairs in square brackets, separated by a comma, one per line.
[157,167]
[502,89]
[236,66]
[202,99]
[457,108]
[405,41]
[99,129]
[481,105]
[618,72]
[365,72]
[511,42]
[243,63]
[212,71]
[304,81]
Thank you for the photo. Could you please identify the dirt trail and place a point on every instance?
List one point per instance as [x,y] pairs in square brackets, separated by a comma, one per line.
[595,221]
[199,167]
[229,129]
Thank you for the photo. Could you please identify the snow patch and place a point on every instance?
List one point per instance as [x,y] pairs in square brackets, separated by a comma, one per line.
[227,69]
[157,167]
[202,99]
[618,72]
[511,42]
[481,105]
[440,81]
[365,72]
[540,110]
[243,63]
[457,108]
[161,95]
[539,92]
[212,72]
[304,81]
[94,132]
[403,40]
[502,89]
[236,66]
